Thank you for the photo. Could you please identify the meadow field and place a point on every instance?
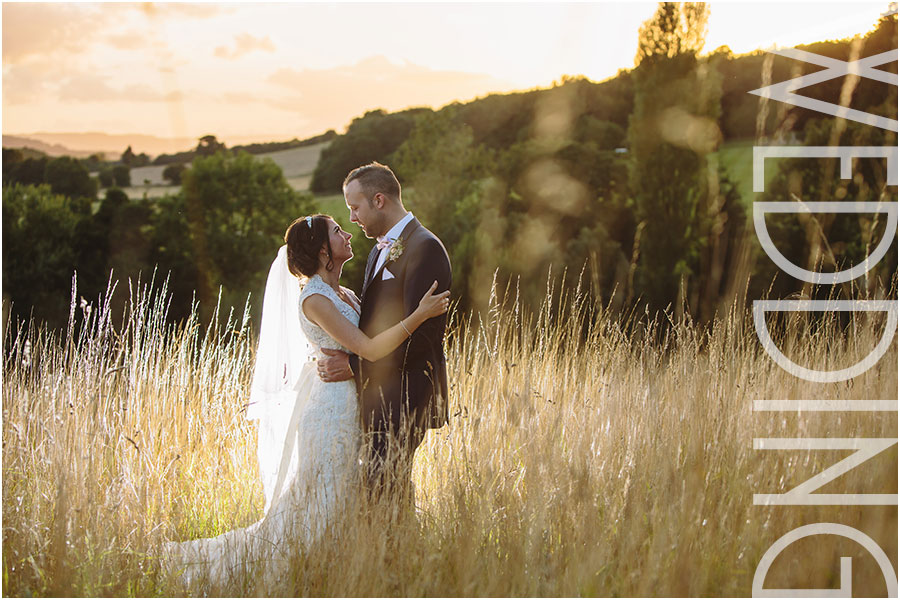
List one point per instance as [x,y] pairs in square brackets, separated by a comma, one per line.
[587,454]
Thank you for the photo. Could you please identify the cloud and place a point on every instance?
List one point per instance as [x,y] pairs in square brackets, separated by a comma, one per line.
[35,30]
[243,44]
[240,97]
[333,97]
[22,86]
[85,88]
[90,88]
[126,41]
[176,10]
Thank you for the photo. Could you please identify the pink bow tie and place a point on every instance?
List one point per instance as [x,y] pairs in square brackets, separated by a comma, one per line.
[384,242]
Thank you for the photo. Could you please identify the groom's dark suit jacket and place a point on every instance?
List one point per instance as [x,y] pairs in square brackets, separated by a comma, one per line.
[412,380]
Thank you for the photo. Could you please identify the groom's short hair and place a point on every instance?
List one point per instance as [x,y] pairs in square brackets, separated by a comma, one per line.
[374,178]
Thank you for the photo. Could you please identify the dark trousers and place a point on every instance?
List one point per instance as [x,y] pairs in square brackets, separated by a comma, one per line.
[391,450]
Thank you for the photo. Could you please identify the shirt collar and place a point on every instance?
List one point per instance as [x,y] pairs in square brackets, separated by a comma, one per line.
[395,231]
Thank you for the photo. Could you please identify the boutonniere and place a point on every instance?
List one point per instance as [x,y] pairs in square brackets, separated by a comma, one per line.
[396,250]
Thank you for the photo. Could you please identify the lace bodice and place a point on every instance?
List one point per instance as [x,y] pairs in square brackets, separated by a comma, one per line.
[315,334]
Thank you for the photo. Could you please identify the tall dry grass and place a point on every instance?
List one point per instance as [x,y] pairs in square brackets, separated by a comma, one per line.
[586,455]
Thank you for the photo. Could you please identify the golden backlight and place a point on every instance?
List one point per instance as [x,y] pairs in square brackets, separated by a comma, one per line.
[249,72]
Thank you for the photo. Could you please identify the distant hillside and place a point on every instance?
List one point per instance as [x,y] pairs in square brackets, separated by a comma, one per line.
[14,141]
[165,150]
[297,164]
[255,148]
[84,144]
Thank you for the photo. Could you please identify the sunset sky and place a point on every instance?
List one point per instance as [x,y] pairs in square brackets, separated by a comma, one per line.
[278,71]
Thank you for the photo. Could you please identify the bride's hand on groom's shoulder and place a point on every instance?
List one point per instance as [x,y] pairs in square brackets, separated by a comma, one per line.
[335,367]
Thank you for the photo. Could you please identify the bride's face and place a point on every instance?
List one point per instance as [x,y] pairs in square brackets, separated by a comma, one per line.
[339,239]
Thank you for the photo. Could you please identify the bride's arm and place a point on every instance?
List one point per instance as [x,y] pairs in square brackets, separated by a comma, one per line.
[322,311]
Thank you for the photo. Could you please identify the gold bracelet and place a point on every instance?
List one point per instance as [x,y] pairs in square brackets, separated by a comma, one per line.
[405,329]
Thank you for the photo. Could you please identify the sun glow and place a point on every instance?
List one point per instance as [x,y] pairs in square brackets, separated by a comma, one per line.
[260,72]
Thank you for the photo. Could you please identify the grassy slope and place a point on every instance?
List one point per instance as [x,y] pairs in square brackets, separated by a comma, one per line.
[737,158]
[333,204]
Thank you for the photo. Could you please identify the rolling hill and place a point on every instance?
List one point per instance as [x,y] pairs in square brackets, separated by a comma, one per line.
[297,164]
[15,141]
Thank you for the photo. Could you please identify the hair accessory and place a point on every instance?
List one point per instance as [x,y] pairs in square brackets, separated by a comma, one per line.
[309,222]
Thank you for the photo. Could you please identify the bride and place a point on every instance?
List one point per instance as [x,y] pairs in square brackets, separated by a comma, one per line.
[309,431]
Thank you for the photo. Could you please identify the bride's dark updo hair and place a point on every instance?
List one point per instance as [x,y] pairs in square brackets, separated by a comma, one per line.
[305,238]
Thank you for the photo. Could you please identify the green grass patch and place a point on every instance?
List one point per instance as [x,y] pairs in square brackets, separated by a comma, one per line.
[737,158]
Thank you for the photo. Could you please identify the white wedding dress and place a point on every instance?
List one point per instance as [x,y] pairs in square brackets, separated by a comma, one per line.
[309,442]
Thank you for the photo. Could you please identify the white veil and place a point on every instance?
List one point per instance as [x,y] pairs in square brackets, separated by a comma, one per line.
[282,376]
[284,379]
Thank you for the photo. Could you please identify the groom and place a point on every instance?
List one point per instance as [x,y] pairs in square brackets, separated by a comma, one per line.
[404,393]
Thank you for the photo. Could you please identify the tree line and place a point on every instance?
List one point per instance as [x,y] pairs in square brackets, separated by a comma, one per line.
[69,175]
[619,184]
[257,148]
[211,242]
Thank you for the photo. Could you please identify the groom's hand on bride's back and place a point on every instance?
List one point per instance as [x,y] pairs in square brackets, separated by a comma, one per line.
[335,367]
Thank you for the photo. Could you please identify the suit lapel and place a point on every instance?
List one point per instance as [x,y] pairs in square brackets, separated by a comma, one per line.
[370,264]
[404,235]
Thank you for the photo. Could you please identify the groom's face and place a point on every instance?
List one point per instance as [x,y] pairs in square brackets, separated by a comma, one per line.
[367,214]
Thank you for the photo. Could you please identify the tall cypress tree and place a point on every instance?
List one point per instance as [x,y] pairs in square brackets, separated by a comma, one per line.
[671,132]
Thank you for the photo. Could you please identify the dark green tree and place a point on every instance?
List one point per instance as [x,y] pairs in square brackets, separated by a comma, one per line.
[122,175]
[606,135]
[141,160]
[91,244]
[27,172]
[172,173]
[830,241]
[127,234]
[171,250]
[39,253]
[106,177]
[209,146]
[179,157]
[673,129]
[237,210]
[677,28]
[443,170]
[127,157]
[94,162]
[67,176]
[374,136]
[11,158]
